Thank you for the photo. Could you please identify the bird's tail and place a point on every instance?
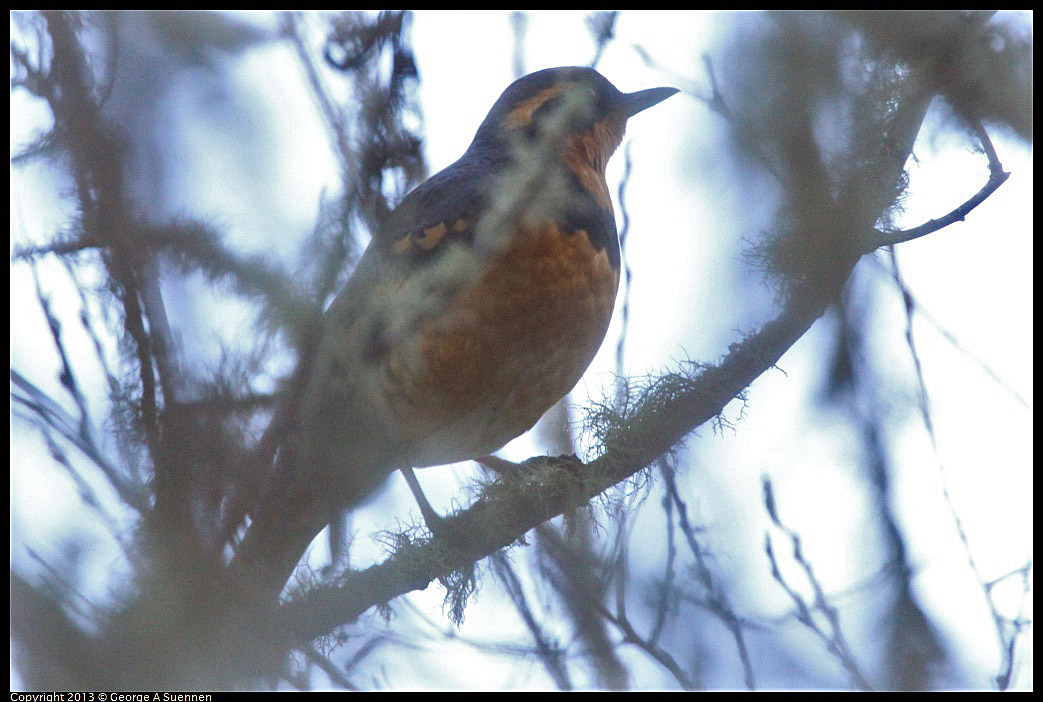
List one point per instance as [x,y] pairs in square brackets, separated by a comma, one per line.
[333,452]
[299,502]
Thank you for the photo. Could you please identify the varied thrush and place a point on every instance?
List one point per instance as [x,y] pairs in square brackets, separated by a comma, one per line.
[477,306]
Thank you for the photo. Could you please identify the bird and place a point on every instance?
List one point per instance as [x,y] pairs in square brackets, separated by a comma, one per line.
[478,305]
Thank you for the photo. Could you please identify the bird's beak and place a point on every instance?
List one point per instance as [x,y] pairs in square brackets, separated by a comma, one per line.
[633,103]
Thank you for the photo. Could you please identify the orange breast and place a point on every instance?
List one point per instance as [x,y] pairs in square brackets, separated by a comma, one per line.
[505,349]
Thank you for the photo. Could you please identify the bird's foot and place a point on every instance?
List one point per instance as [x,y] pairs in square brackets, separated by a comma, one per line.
[436,524]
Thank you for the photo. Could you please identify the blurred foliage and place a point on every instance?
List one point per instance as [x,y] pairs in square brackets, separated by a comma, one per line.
[827,104]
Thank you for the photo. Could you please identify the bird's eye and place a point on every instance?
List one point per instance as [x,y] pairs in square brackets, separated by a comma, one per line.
[593,99]
[585,99]
[587,96]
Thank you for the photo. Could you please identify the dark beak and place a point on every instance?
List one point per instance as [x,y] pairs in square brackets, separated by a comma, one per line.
[632,103]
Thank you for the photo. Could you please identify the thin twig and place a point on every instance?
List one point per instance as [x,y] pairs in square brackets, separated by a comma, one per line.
[667,588]
[997,177]
[602,26]
[519,29]
[716,598]
[549,653]
[57,418]
[625,278]
[953,340]
[1000,622]
[631,636]
[335,121]
[834,638]
[326,665]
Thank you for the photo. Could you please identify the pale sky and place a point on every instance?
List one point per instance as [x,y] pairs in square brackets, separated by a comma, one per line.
[974,279]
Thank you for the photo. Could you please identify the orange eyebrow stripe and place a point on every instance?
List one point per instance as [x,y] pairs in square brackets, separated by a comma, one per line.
[521,115]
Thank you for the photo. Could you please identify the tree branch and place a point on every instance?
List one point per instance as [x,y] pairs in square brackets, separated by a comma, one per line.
[834,639]
[669,409]
[52,414]
[653,419]
[997,177]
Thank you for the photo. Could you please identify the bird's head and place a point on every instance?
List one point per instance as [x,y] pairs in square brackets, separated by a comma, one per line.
[573,110]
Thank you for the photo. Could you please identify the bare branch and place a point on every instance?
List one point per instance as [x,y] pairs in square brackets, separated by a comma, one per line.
[549,653]
[667,587]
[602,27]
[68,427]
[716,601]
[834,638]
[548,487]
[627,273]
[1004,637]
[955,341]
[326,665]
[997,177]
[631,636]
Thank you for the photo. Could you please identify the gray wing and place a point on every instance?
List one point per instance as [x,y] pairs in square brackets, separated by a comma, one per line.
[403,277]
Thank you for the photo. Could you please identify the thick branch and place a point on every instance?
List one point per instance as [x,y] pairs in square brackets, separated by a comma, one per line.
[552,486]
[666,412]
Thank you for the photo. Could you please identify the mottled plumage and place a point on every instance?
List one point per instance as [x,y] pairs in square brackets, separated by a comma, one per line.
[477,307]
